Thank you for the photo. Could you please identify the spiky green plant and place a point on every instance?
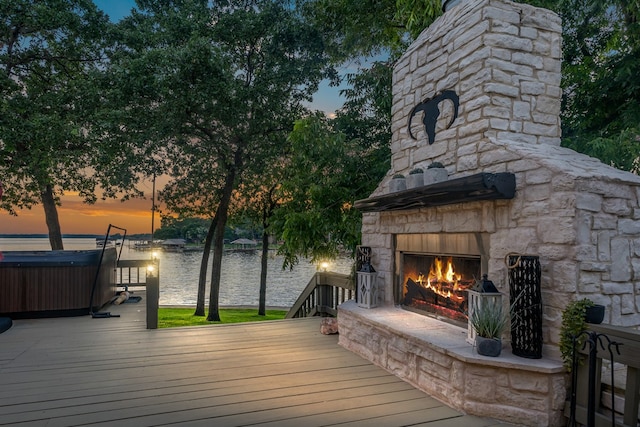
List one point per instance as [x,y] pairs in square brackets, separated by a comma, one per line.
[489,319]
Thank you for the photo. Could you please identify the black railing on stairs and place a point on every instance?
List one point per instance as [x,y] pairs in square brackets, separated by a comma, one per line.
[322,295]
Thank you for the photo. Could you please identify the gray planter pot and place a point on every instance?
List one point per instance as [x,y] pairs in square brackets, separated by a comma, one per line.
[433,175]
[397,184]
[448,4]
[488,346]
[415,180]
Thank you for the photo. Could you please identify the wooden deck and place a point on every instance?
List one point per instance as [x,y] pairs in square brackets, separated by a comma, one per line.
[113,371]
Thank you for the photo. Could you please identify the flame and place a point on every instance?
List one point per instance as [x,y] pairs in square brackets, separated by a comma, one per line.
[440,274]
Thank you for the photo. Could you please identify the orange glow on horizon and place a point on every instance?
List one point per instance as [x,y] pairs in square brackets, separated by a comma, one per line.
[77,217]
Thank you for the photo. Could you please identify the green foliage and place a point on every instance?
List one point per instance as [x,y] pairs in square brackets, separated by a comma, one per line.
[355,29]
[326,173]
[573,325]
[191,229]
[601,92]
[212,104]
[416,171]
[417,14]
[435,165]
[489,320]
[366,28]
[51,53]
[176,317]
[215,102]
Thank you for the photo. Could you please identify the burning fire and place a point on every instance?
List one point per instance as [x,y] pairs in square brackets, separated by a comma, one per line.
[442,280]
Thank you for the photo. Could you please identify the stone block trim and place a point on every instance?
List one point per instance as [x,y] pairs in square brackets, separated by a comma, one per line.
[434,357]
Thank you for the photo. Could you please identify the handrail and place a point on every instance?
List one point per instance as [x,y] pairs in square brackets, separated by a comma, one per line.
[131,272]
[629,348]
[322,295]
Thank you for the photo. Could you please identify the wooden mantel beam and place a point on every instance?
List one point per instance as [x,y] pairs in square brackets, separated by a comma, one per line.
[481,186]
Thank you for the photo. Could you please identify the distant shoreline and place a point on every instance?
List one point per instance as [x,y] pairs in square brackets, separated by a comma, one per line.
[241,306]
[71,236]
[46,236]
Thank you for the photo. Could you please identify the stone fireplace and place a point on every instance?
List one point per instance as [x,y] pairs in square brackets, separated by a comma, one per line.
[479,91]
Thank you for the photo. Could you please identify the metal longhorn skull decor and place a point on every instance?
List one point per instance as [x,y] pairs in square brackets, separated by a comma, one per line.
[431,113]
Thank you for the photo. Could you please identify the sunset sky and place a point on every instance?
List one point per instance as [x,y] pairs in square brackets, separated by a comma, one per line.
[79,218]
[134,215]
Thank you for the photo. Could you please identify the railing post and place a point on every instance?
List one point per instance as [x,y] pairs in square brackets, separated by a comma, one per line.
[153,296]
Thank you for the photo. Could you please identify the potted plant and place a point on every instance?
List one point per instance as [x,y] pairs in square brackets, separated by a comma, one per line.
[489,320]
[397,183]
[575,317]
[415,178]
[435,173]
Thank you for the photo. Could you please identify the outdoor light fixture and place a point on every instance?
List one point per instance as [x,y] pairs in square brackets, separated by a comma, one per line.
[153,293]
[324,265]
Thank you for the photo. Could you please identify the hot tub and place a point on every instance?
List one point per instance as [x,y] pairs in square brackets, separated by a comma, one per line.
[55,283]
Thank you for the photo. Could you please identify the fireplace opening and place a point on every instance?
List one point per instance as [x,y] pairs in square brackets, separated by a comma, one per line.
[437,285]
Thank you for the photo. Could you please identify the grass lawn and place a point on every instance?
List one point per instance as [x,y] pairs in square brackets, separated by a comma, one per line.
[173,317]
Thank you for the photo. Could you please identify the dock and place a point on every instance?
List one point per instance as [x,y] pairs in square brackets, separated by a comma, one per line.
[78,371]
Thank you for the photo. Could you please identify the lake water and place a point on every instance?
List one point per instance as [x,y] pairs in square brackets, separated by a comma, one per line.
[179,271]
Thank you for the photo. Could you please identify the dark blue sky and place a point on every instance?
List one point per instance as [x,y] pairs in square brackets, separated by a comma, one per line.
[327,98]
[116,9]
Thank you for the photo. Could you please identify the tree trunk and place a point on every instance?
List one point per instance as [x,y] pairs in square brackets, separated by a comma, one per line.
[51,216]
[216,264]
[267,212]
[220,220]
[202,280]
[263,274]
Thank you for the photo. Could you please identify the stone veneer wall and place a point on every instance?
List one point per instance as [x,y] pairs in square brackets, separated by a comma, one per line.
[581,217]
[434,357]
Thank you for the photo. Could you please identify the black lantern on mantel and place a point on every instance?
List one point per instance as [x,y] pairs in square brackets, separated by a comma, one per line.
[366,278]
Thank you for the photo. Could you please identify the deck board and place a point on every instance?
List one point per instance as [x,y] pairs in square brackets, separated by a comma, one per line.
[113,371]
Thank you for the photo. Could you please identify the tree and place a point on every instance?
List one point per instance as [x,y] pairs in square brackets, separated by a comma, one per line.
[256,202]
[326,172]
[190,229]
[601,102]
[357,30]
[49,50]
[335,162]
[219,86]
